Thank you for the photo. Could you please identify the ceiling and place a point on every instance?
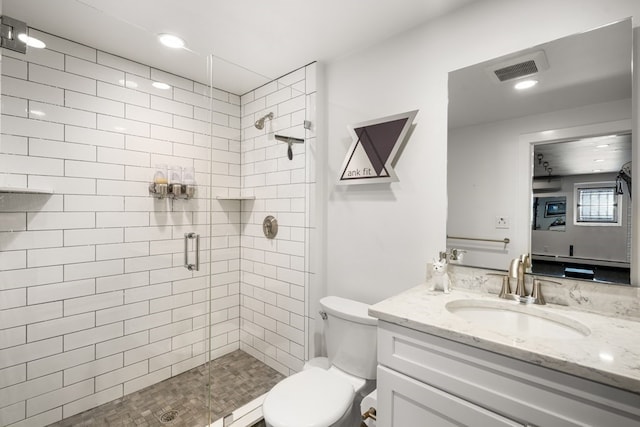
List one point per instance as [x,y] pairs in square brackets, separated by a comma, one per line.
[585,156]
[251,41]
[583,69]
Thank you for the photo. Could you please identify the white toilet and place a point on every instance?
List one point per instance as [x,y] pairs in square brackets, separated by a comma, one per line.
[325,396]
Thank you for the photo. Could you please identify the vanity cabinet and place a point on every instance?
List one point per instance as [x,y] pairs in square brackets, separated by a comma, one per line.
[425,380]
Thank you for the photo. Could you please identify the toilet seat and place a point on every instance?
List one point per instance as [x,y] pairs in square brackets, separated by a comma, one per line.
[311,398]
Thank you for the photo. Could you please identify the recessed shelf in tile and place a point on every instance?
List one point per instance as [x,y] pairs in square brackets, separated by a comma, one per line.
[236,197]
[24,190]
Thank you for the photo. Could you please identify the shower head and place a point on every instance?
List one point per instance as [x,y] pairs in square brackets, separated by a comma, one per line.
[259,124]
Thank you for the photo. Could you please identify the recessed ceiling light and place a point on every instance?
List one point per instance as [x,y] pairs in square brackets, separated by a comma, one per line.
[602,146]
[525,84]
[169,40]
[31,41]
[161,85]
[597,170]
[599,160]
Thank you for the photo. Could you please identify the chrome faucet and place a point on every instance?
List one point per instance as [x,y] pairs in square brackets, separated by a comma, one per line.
[517,269]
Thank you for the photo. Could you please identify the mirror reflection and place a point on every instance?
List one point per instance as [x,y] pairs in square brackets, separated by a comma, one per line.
[562,112]
[549,213]
[582,189]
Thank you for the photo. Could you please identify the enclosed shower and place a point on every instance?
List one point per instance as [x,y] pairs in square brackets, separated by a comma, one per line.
[136,283]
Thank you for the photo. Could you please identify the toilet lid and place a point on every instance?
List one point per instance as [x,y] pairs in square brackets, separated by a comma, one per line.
[311,398]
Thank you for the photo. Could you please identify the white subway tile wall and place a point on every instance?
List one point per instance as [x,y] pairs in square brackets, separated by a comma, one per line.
[94,300]
[275,274]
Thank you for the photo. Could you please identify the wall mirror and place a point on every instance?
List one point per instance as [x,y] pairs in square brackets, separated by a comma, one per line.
[539,142]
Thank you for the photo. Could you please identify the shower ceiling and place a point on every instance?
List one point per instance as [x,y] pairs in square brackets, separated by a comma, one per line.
[254,41]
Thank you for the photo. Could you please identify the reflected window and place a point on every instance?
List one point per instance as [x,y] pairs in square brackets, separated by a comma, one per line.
[597,205]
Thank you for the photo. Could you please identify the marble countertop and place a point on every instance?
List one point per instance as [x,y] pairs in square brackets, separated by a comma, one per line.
[609,354]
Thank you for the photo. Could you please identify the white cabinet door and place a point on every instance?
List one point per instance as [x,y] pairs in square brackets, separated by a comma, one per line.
[405,402]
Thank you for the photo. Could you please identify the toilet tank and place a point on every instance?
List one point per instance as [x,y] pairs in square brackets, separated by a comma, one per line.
[351,336]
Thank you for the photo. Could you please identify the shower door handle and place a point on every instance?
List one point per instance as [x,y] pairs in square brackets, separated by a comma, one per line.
[187,237]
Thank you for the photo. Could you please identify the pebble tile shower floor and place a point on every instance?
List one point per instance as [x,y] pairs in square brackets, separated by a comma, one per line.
[181,401]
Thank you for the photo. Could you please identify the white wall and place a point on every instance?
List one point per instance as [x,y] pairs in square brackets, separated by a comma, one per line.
[381,236]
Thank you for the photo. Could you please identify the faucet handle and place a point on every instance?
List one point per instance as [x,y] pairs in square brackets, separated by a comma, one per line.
[456,254]
[536,293]
[506,288]
[505,291]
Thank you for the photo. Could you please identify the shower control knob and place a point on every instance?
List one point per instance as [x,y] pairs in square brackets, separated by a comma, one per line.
[270,227]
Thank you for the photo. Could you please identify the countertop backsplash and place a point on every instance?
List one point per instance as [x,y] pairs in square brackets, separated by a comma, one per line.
[602,298]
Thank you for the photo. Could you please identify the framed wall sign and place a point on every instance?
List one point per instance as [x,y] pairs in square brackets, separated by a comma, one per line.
[374,147]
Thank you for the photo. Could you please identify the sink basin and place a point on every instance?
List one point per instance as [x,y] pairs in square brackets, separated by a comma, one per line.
[518,320]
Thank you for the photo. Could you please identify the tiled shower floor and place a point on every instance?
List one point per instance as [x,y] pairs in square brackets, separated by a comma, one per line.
[237,379]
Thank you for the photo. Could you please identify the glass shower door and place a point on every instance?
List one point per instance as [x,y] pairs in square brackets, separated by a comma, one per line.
[105,191]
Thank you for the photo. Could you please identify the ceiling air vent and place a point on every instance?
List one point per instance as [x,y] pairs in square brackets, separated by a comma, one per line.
[518,67]
[517,70]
